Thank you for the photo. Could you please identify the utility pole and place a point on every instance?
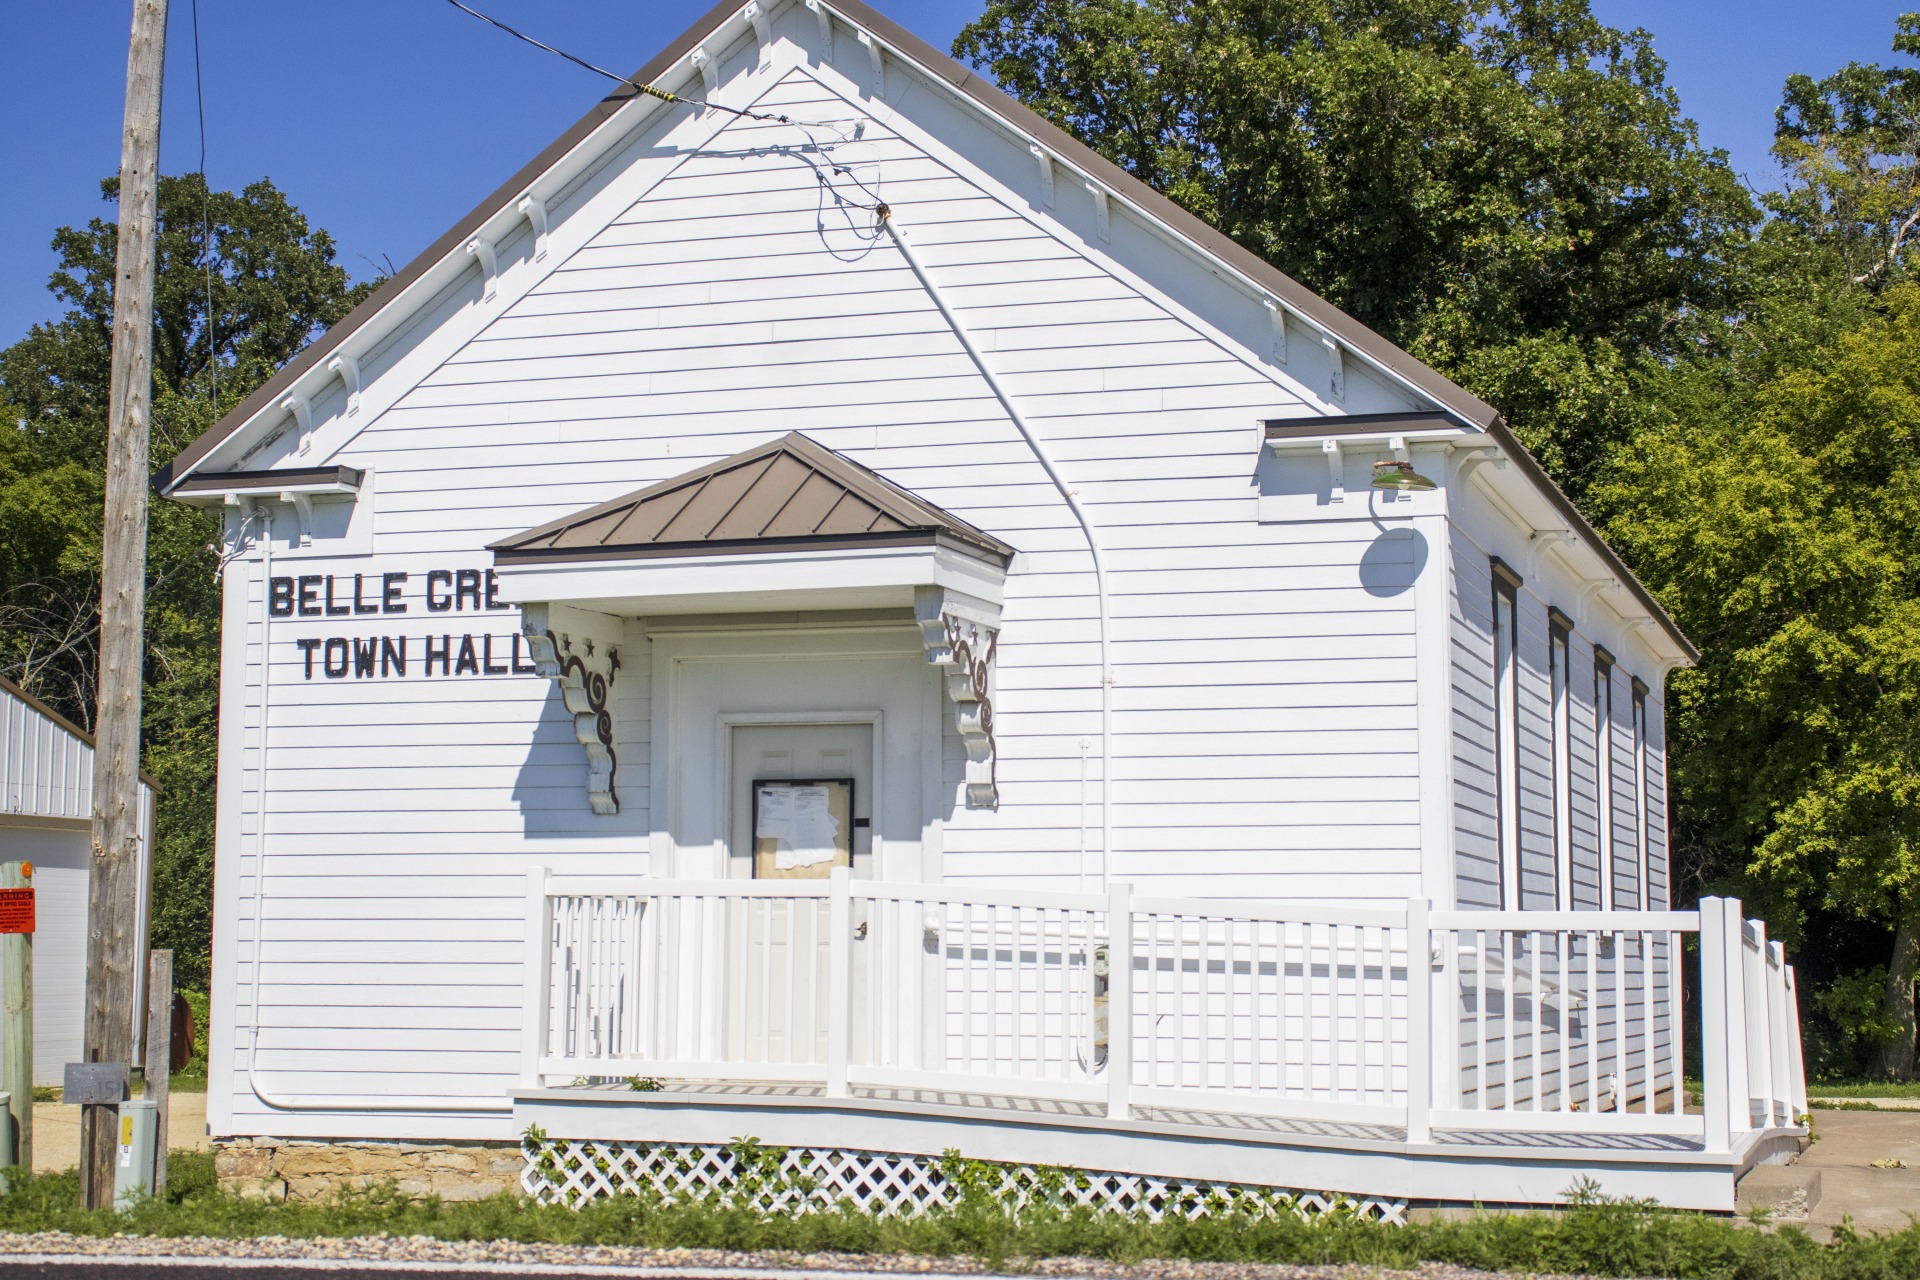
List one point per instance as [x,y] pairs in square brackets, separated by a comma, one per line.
[113,886]
[16,978]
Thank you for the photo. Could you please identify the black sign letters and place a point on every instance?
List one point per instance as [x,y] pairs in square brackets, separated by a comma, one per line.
[387,657]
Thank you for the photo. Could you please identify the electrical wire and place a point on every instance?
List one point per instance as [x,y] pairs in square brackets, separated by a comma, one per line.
[652,91]
[828,176]
[206,234]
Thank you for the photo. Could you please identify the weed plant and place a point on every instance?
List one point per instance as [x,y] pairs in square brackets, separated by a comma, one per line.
[1593,1236]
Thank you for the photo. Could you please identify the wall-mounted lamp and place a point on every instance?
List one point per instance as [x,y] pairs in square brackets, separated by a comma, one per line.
[1392,473]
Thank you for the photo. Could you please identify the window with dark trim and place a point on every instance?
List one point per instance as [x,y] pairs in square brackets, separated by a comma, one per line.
[1603,771]
[1559,637]
[1642,811]
[1506,729]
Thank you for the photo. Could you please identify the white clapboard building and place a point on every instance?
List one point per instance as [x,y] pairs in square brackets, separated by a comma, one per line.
[46,814]
[865,617]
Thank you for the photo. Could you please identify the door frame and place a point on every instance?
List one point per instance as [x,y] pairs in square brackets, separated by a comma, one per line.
[727,721]
[918,717]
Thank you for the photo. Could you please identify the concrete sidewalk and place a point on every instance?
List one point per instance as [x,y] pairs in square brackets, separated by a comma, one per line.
[56,1130]
[1835,1179]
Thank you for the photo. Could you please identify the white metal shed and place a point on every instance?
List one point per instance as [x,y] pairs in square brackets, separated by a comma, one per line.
[46,808]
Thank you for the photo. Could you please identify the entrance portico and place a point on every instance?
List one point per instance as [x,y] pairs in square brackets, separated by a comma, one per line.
[795,602]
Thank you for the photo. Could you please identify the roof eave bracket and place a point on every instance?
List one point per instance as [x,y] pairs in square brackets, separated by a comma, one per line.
[579,650]
[961,634]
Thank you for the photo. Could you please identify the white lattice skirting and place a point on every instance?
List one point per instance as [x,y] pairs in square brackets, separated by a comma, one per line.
[777,1180]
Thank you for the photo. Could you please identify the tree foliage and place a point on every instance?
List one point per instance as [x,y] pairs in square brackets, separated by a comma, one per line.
[1507,188]
[1852,145]
[268,283]
[1775,511]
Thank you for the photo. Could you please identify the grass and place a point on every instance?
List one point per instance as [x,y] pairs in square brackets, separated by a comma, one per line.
[1836,1089]
[1866,1089]
[1593,1237]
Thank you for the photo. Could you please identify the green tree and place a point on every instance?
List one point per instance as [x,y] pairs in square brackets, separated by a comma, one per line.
[1773,512]
[1507,188]
[269,284]
[1851,146]
[1783,534]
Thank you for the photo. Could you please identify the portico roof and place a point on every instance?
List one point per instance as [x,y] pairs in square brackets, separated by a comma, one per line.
[790,494]
[788,524]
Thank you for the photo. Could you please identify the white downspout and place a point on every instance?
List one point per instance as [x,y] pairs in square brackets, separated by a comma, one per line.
[281,1102]
[885,217]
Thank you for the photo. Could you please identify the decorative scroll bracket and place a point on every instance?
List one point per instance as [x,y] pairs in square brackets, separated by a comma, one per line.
[579,650]
[961,634]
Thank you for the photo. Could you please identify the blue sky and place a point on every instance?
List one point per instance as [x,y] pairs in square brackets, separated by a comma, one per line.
[385,120]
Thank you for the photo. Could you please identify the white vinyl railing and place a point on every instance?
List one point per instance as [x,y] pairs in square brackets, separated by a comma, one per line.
[1402,1016]
[1568,1019]
[1263,1009]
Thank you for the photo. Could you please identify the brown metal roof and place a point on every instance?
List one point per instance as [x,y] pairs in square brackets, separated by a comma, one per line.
[787,494]
[285,477]
[1443,390]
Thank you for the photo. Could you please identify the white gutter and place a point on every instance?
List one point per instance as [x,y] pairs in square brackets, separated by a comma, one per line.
[1039,448]
[290,1102]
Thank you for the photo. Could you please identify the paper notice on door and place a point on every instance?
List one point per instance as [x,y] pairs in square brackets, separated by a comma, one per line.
[775,820]
[813,833]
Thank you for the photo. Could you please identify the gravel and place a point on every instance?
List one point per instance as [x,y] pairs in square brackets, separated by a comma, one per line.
[508,1257]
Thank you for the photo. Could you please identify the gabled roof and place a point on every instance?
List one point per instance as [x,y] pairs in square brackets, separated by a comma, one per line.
[1334,324]
[1069,150]
[787,494]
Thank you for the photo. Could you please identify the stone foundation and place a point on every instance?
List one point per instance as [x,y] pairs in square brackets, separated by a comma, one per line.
[291,1169]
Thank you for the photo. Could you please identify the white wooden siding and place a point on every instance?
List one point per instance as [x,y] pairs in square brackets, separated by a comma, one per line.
[1627,890]
[1476,832]
[1659,869]
[1537,854]
[1265,706]
[1265,703]
[1585,827]
[1477,868]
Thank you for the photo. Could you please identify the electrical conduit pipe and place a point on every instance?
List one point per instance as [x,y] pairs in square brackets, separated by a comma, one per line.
[885,216]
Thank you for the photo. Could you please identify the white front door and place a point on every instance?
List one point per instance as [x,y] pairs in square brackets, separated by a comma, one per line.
[801,806]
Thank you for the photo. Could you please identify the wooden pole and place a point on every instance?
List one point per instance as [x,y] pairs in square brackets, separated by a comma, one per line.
[159,1074]
[112,908]
[16,1075]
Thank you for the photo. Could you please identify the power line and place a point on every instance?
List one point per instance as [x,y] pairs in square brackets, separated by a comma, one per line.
[652,91]
[825,174]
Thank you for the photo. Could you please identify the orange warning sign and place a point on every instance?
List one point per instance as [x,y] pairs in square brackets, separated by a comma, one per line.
[16,911]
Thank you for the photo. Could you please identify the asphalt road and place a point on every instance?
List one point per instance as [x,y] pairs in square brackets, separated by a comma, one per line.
[242,1269]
